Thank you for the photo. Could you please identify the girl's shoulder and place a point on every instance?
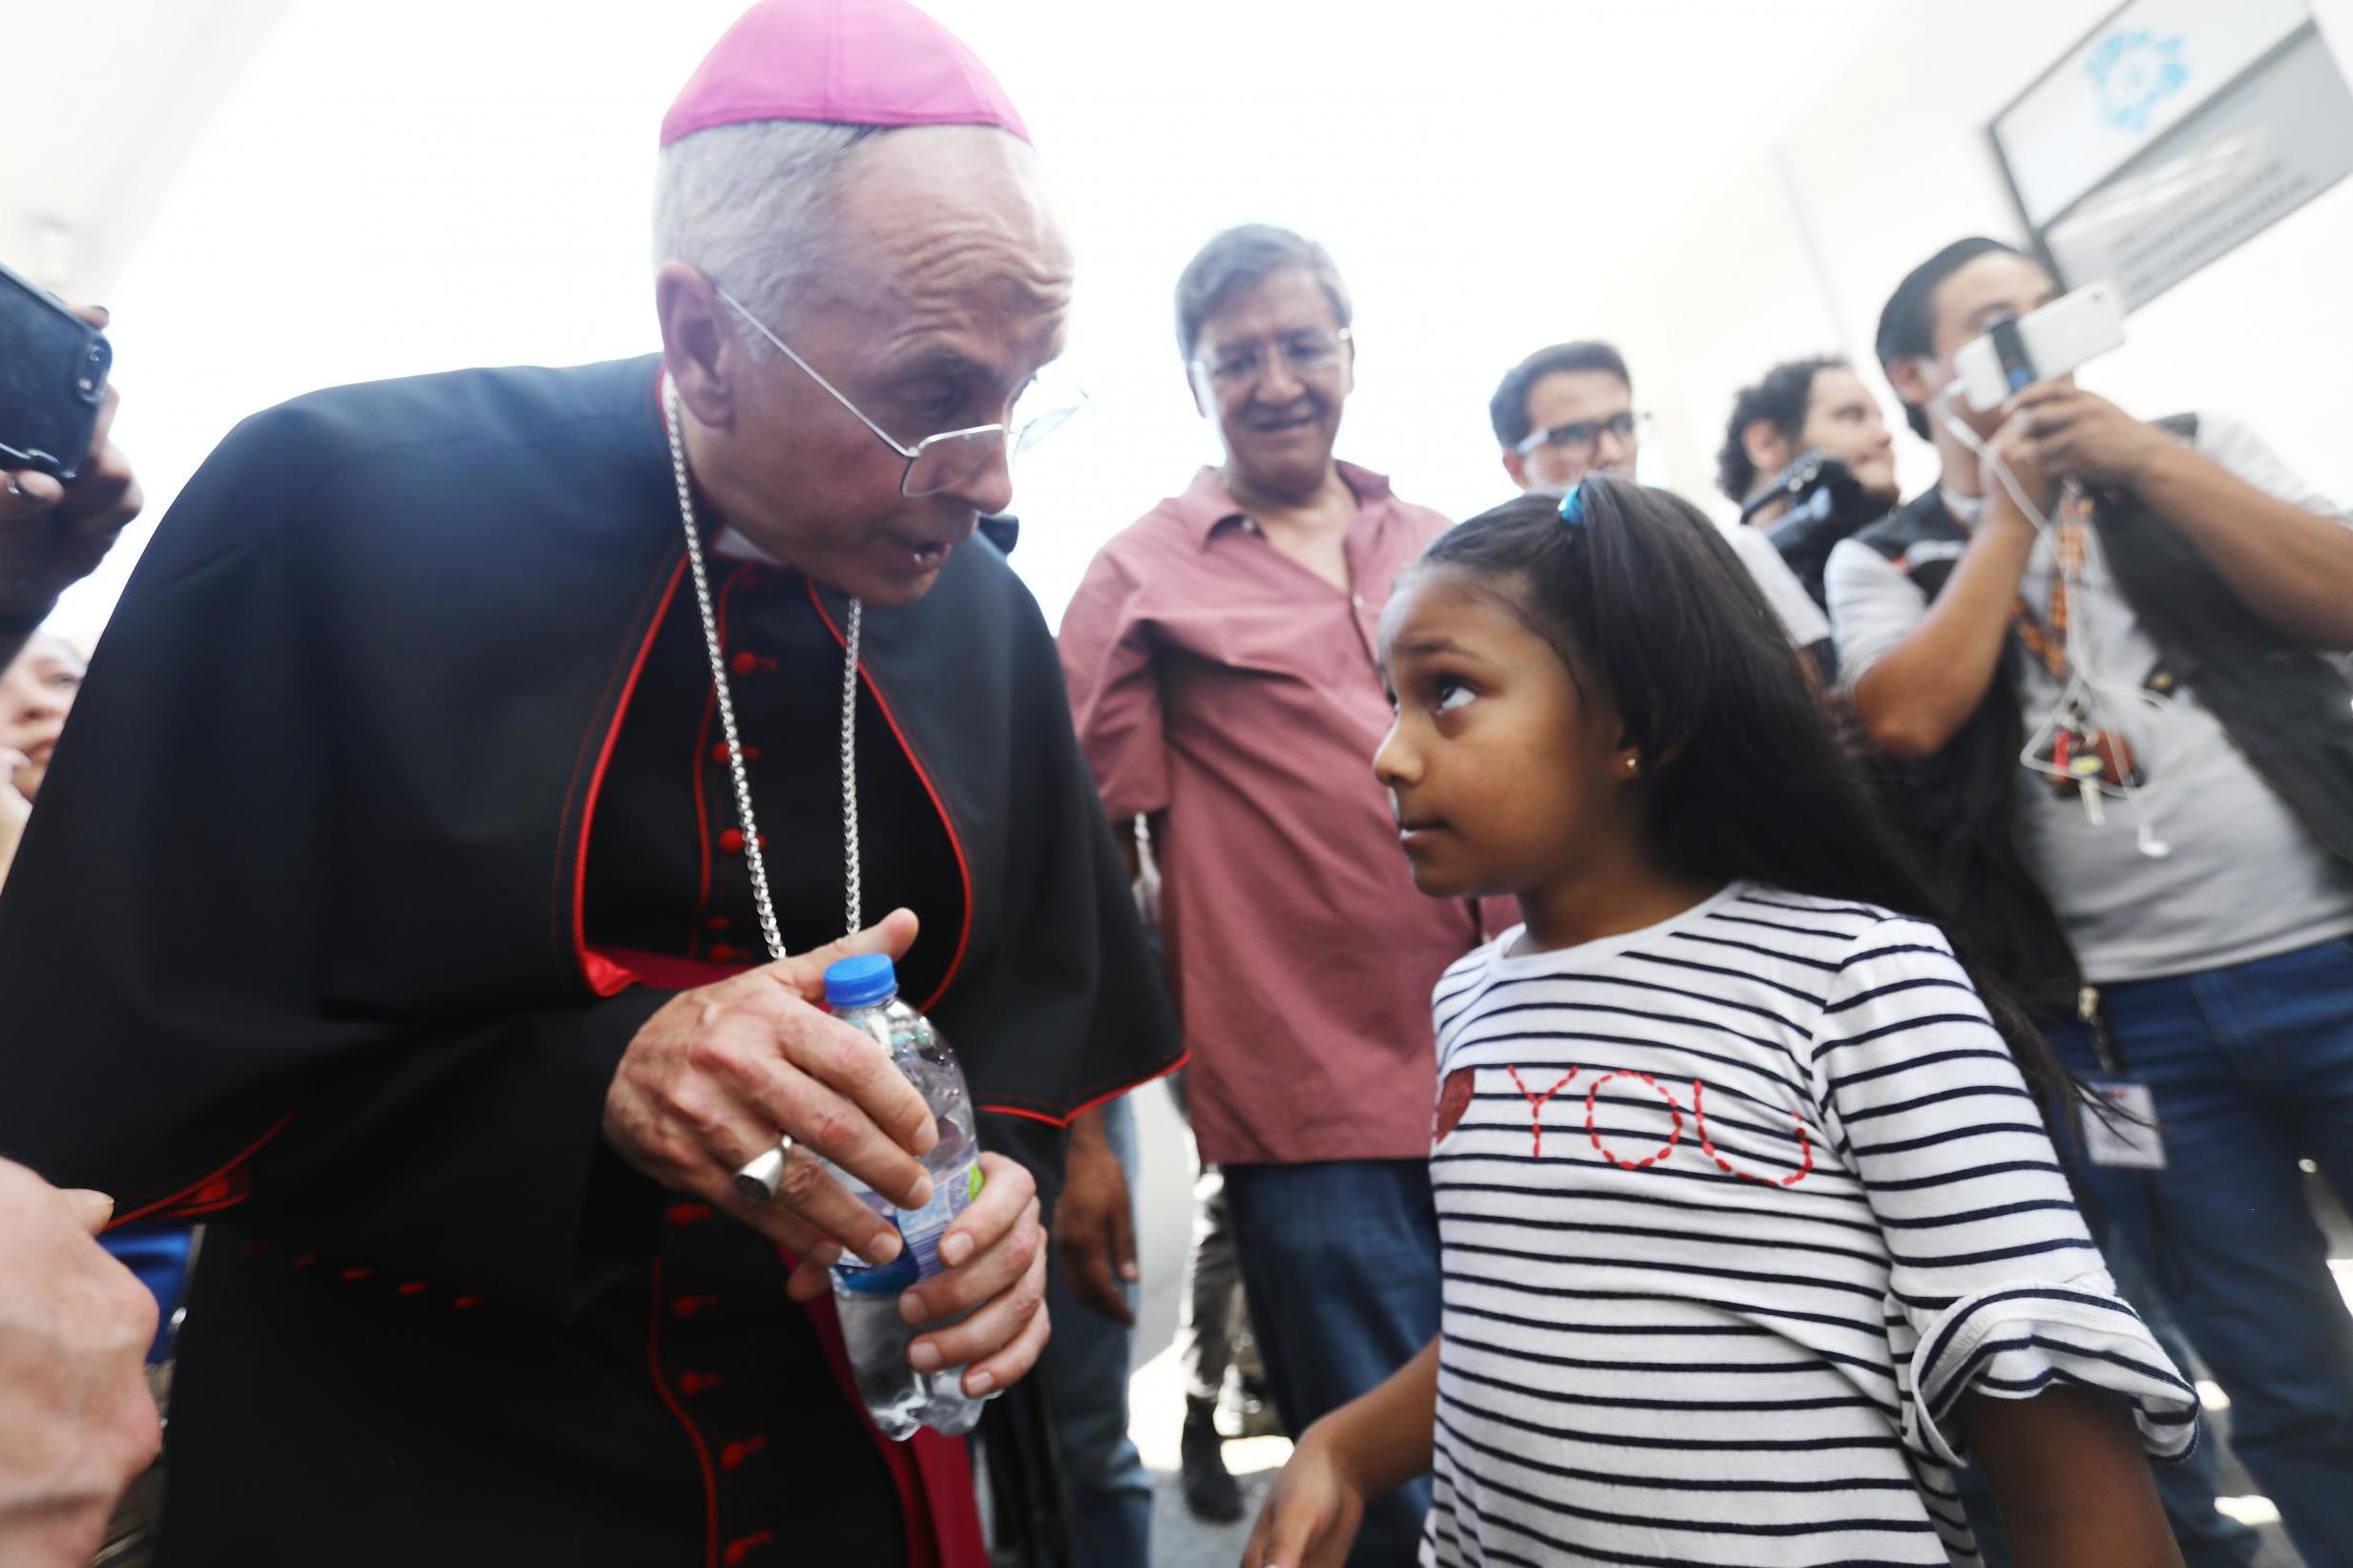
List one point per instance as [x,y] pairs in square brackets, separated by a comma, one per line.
[1812,919]
[1488,952]
[1466,971]
[1798,945]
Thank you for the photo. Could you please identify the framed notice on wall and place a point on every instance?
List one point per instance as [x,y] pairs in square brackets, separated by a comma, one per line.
[2179,130]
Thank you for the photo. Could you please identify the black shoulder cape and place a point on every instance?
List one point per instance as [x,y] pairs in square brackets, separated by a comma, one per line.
[299,919]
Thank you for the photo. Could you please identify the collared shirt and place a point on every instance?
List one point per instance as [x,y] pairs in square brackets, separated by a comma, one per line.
[1226,690]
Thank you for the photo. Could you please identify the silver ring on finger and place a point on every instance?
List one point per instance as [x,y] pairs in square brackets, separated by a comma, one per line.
[758,1180]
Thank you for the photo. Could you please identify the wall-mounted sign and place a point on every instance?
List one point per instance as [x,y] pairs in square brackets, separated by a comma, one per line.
[2176,132]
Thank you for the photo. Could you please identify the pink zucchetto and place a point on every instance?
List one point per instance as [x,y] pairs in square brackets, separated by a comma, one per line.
[839,62]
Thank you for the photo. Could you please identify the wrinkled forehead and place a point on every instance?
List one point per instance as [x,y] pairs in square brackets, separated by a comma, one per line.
[952,227]
[1285,302]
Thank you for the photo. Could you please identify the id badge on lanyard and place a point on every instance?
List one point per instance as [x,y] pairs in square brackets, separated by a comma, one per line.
[2130,1140]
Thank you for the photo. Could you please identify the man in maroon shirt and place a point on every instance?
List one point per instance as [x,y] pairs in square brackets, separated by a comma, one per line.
[1220,656]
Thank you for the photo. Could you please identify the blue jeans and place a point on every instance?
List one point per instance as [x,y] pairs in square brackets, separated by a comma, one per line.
[1086,1363]
[1339,1265]
[2251,1068]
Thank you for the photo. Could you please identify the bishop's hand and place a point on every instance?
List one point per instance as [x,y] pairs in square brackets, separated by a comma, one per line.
[714,1076]
[986,1310]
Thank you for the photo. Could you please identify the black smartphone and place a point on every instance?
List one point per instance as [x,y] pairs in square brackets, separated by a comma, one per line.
[52,380]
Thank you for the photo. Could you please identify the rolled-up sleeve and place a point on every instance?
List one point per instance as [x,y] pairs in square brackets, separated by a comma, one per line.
[1106,647]
[1873,608]
[1995,1287]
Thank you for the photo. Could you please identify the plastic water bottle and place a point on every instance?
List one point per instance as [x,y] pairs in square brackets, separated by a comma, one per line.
[863,992]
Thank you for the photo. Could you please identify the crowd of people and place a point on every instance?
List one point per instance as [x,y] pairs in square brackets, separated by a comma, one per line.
[1773,1044]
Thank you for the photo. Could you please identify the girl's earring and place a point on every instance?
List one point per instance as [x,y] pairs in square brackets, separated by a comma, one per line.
[1634,764]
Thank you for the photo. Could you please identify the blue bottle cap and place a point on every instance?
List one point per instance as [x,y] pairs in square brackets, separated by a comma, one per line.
[862,981]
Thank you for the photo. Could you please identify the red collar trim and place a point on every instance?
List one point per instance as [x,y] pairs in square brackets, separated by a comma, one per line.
[605,978]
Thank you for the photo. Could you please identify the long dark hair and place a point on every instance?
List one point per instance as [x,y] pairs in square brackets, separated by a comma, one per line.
[1747,778]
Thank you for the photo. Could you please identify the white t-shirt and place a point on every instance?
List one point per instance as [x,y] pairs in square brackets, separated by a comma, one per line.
[1731,1212]
[2246,877]
[1801,616]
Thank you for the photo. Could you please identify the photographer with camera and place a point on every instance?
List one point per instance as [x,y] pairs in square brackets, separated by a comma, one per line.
[1807,457]
[53,532]
[2099,652]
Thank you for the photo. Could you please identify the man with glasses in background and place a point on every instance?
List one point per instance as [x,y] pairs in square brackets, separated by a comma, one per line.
[1220,654]
[1563,412]
[412,894]
[1569,410]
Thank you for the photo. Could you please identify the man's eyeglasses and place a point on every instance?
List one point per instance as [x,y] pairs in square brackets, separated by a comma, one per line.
[944,461]
[1579,439]
[1305,355]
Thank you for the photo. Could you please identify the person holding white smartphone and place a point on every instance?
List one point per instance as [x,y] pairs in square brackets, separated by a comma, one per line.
[2105,656]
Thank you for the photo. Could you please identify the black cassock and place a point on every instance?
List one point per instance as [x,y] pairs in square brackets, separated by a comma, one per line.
[393,804]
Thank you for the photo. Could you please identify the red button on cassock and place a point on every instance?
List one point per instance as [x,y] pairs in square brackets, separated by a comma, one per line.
[741,1547]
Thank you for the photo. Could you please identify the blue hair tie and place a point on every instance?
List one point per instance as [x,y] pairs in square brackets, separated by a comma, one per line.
[1572,506]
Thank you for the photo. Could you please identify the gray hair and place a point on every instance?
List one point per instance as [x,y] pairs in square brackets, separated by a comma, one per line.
[751,207]
[1250,254]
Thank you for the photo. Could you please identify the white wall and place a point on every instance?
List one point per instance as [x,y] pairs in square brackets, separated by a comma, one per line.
[371,199]
[465,182]
[1890,162]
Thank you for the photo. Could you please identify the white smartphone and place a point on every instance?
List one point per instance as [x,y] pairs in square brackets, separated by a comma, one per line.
[2042,345]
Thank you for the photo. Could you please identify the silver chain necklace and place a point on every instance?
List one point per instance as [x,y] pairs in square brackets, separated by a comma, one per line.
[852,898]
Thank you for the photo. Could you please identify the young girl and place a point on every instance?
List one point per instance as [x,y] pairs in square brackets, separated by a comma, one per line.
[1751,1226]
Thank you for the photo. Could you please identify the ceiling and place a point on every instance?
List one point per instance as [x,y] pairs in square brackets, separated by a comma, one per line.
[105,100]
[278,195]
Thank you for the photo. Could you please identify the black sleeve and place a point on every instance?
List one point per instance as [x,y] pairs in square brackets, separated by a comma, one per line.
[473,1157]
[232,977]
[1069,1008]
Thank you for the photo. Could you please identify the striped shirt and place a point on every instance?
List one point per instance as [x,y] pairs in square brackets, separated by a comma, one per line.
[1734,1210]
